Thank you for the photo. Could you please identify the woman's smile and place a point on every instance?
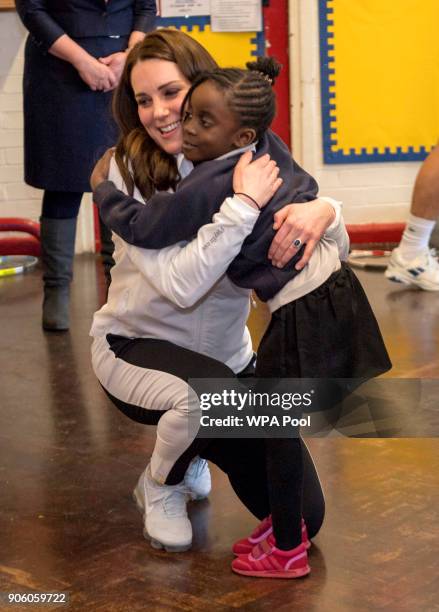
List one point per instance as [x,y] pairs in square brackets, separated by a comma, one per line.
[170,128]
[159,88]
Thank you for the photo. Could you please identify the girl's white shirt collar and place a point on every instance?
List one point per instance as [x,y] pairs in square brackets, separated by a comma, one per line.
[185,166]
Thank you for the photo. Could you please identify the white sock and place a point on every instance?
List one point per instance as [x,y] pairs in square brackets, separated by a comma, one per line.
[416,237]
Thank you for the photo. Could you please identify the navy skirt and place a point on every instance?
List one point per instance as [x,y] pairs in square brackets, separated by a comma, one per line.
[67,126]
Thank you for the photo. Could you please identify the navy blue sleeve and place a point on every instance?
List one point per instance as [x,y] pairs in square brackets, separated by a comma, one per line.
[304,187]
[144,15]
[166,218]
[251,268]
[298,186]
[41,26]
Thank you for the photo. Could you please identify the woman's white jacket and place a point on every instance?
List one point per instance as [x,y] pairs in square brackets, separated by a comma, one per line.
[180,293]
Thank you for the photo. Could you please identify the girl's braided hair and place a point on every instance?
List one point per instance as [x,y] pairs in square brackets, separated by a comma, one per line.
[249,93]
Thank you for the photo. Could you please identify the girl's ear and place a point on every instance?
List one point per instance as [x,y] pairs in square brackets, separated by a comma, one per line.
[244,137]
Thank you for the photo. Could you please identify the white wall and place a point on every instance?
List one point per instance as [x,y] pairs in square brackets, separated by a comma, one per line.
[376,192]
[16,198]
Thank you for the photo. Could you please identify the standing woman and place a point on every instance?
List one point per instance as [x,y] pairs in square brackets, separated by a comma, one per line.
[74,57]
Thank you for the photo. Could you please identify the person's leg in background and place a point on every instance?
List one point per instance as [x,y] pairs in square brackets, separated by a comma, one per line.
[58,231]
[412,262]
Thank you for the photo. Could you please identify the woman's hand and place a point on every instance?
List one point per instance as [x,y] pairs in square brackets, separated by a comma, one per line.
[259,180]
[102,169]
[116,63]
[306,222]
[97,76]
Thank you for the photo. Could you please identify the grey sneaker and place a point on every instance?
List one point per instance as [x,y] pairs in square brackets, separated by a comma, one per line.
[165,518]
[423,271]
[197,479]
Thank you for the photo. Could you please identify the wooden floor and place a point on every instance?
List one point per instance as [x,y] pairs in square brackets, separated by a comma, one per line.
[69,460]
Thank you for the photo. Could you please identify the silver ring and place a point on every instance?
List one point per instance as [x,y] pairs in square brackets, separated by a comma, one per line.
[297,243]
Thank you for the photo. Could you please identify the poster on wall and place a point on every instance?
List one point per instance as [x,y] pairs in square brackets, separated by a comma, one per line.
[184,8]
[232,16]
[379,63]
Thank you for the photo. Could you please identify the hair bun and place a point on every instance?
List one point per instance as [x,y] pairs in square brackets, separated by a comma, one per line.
[269,67]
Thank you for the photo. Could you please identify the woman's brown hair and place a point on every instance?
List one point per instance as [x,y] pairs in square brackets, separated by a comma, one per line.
[151,168]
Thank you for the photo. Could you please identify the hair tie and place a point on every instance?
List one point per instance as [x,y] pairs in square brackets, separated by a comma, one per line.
[238,193]
[266,77]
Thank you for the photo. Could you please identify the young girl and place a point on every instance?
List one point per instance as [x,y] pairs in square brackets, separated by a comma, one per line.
[322,325]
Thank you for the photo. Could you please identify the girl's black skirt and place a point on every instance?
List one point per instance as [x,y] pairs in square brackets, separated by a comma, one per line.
[330,333]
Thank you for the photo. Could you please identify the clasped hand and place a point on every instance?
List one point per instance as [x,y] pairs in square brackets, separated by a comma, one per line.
[102,74]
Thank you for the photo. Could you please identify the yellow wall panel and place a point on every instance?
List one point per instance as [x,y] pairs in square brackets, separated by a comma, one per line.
[380,78]
[228,48]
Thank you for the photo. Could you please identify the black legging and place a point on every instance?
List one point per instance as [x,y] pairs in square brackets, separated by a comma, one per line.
[243,460]
[245,463]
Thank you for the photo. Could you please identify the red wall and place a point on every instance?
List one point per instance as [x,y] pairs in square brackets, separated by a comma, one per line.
[276,36]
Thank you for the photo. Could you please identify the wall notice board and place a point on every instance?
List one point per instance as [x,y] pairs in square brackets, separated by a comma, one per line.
[237,48]
[228,48]
[379,79]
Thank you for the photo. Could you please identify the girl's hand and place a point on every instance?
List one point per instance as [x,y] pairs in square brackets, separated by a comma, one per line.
[308,222]
[258,179]
[102,169]
[97,76]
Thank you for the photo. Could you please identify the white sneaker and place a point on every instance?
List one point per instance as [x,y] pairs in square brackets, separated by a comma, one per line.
[197,479]
[423,271]
[165,518]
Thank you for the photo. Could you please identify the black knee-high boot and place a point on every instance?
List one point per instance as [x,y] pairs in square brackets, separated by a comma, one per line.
[57,252]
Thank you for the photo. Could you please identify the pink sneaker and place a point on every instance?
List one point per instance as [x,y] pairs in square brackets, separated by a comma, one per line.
[262,531]
[267,561]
